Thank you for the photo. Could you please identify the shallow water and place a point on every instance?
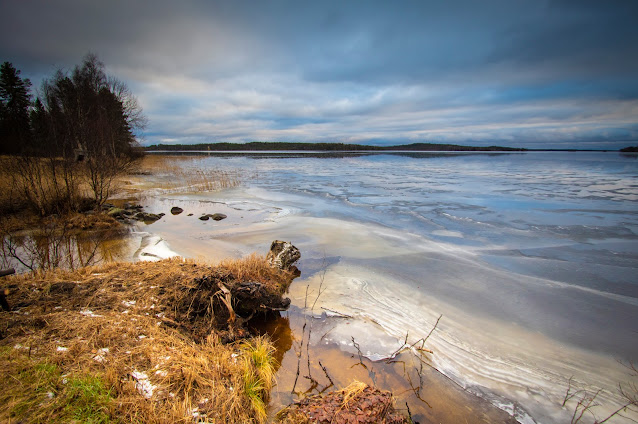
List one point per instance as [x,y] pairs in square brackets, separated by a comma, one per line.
[531,258]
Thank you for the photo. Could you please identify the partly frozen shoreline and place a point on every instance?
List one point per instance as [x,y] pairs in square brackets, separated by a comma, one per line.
[527,302]
[517,370]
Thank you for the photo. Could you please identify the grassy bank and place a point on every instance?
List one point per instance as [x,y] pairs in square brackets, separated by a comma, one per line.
[131,343]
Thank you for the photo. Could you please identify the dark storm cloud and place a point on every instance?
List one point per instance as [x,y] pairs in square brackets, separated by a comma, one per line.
[516,72]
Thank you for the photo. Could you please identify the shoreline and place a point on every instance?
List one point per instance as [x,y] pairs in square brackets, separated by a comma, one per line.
[244,237]
[266,224]
[366,264]
[251,220]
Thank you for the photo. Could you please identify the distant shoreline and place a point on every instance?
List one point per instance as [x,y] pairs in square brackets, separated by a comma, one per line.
[326,147]
[341,147]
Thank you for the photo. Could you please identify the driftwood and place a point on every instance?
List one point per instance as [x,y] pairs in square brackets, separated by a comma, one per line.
[283,255]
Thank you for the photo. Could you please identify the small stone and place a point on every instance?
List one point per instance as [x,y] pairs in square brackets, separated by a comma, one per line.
[175,210]
[218,216]
[116,212]
[204,218]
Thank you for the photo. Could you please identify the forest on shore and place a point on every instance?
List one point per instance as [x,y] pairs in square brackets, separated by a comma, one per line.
[327,147]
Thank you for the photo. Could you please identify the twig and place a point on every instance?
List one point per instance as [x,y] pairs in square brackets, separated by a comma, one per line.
[325,371]
[356,346]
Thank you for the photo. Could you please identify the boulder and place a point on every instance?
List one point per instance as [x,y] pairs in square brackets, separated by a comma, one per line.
[218,216]
[215,216]
[147,217]
[283,255]
[151,217]
[175,210]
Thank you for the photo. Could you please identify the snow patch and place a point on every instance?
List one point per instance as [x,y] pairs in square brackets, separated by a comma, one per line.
[142,384]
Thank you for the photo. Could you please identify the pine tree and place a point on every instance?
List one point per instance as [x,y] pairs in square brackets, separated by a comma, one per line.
[15,99]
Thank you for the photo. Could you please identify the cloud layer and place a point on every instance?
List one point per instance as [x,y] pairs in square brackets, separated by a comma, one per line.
[526,73]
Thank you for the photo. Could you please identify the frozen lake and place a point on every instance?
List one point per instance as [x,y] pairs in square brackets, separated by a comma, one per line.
[531,258]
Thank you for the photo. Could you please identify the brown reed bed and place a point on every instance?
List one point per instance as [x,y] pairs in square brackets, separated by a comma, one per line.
[177,174]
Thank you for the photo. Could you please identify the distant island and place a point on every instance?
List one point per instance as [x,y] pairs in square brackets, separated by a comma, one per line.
[630,149]
[328,147]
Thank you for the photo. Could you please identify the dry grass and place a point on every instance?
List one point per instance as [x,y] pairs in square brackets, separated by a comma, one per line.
[42,186]
[10,202]
[120,337]
[184,174]
[255,268]
[352,391]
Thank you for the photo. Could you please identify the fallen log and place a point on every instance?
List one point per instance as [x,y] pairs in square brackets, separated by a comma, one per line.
[5,292]
[7,271]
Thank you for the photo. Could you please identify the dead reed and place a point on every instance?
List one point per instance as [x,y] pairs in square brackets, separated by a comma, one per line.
[177,174]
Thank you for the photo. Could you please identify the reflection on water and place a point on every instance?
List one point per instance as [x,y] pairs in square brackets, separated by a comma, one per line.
[54,246]
[277,327]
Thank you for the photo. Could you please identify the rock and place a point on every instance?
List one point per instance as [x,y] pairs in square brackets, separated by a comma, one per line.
[215,216]
[283,255]
[190,214]
[116,212]
[175,210]
[151,217]
[218,216]
[146,217]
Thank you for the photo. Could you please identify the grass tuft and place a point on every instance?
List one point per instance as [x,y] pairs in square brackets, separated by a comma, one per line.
[258,374]
[88,401]
[39,392]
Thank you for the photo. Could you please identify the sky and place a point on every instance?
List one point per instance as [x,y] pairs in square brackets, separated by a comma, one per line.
[516,73]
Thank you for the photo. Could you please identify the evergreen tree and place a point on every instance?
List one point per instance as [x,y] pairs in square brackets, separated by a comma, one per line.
[15,99]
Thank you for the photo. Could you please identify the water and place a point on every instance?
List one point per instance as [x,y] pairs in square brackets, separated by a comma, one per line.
[530,258]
